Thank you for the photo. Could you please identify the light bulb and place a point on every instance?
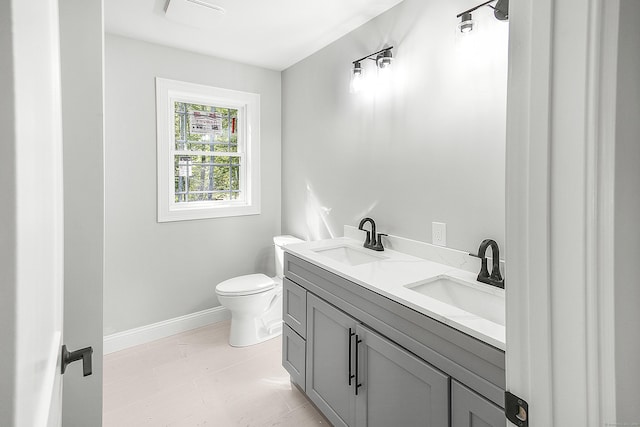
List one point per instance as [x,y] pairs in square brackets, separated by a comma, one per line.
[383,60]
[466,23]
[356,78]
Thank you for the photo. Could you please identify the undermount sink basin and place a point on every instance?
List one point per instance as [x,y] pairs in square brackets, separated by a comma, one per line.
[348,255]
[465,296]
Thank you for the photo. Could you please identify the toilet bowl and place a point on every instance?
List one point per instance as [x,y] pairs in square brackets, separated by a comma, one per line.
[255,301]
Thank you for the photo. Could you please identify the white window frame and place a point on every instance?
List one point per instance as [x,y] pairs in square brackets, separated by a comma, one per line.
[248,105]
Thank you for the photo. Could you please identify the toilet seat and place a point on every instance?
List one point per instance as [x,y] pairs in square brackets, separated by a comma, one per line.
[249,284]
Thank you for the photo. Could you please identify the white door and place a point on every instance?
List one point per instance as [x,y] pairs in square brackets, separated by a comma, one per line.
[31,214]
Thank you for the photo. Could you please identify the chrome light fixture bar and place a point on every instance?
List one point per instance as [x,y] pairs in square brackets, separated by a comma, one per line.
[382,58]
[500,11]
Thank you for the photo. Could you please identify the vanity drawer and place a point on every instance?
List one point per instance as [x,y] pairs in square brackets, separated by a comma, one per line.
[294,307]
[294,355]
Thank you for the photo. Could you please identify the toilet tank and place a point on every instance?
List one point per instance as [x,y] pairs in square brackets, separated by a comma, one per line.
[279,243]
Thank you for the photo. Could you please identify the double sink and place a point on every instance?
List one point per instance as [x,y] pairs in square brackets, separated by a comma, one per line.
[474,298]
[445,293]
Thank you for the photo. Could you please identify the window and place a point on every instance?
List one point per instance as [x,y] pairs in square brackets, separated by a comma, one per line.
[208,151]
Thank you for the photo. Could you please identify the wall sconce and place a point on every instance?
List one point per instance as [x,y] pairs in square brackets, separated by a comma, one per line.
[382,58]
[500,11]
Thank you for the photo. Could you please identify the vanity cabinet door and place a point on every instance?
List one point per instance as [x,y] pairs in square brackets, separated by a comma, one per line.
[329,345]
[294,307]
[469,409]
[398,388]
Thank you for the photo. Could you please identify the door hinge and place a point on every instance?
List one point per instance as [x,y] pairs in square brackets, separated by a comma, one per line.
[516,410]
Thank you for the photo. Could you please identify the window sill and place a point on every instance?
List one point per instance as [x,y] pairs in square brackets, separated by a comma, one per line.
[188,213]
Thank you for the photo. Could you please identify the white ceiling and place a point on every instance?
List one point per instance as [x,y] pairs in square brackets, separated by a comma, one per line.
[273,34]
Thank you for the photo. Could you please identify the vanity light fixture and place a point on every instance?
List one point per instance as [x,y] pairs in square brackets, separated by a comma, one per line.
[500,11]
[382,59]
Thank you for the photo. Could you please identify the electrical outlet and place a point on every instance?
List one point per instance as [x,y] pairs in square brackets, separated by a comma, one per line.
[439,233]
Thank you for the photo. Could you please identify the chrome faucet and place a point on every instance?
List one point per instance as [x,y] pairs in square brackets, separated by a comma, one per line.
[373,241]
[495,279]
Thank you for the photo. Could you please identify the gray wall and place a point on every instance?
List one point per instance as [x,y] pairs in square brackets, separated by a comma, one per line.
[430,148]
[81,59]
[153,271]
[627,215]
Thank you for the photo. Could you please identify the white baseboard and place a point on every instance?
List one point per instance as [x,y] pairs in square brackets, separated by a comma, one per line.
[148,333]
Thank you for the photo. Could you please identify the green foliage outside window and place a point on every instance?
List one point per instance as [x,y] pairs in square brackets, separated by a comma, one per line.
[204,176]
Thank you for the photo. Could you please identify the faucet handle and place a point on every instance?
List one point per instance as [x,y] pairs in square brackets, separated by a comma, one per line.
[378,245]
[484,270]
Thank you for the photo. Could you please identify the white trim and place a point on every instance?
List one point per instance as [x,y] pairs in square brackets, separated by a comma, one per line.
[528,318]
[560,164]
[605,205]
[600,180]
[144,334]
[248,106]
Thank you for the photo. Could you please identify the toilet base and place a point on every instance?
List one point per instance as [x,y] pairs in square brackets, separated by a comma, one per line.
[255,317]
[248,330]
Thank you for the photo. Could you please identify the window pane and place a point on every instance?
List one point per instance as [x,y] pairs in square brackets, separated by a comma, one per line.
[199,127]
[200,178]
[235,177]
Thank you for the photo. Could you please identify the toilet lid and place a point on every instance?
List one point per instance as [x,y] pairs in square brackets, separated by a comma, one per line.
[245,285]
[285,240]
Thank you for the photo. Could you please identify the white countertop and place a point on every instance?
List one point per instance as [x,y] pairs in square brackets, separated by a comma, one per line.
[390,275]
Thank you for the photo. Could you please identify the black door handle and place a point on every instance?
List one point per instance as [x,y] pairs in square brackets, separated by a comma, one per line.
[357,384]
[351,376]
[84,354]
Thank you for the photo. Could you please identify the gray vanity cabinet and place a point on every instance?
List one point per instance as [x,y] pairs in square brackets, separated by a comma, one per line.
[398,389]
[329,365]
[414,370]
[469,409]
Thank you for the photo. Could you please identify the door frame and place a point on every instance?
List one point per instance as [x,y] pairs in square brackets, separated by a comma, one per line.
[559,209]
[82,84]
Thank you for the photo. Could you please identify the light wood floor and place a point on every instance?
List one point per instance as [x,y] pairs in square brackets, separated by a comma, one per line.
[197,379]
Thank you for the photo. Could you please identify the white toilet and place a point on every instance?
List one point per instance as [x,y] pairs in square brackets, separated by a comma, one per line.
[255,301]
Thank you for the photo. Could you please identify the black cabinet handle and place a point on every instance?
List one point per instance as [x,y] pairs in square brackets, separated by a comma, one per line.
[84,354]
[351,376]
[357,384]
